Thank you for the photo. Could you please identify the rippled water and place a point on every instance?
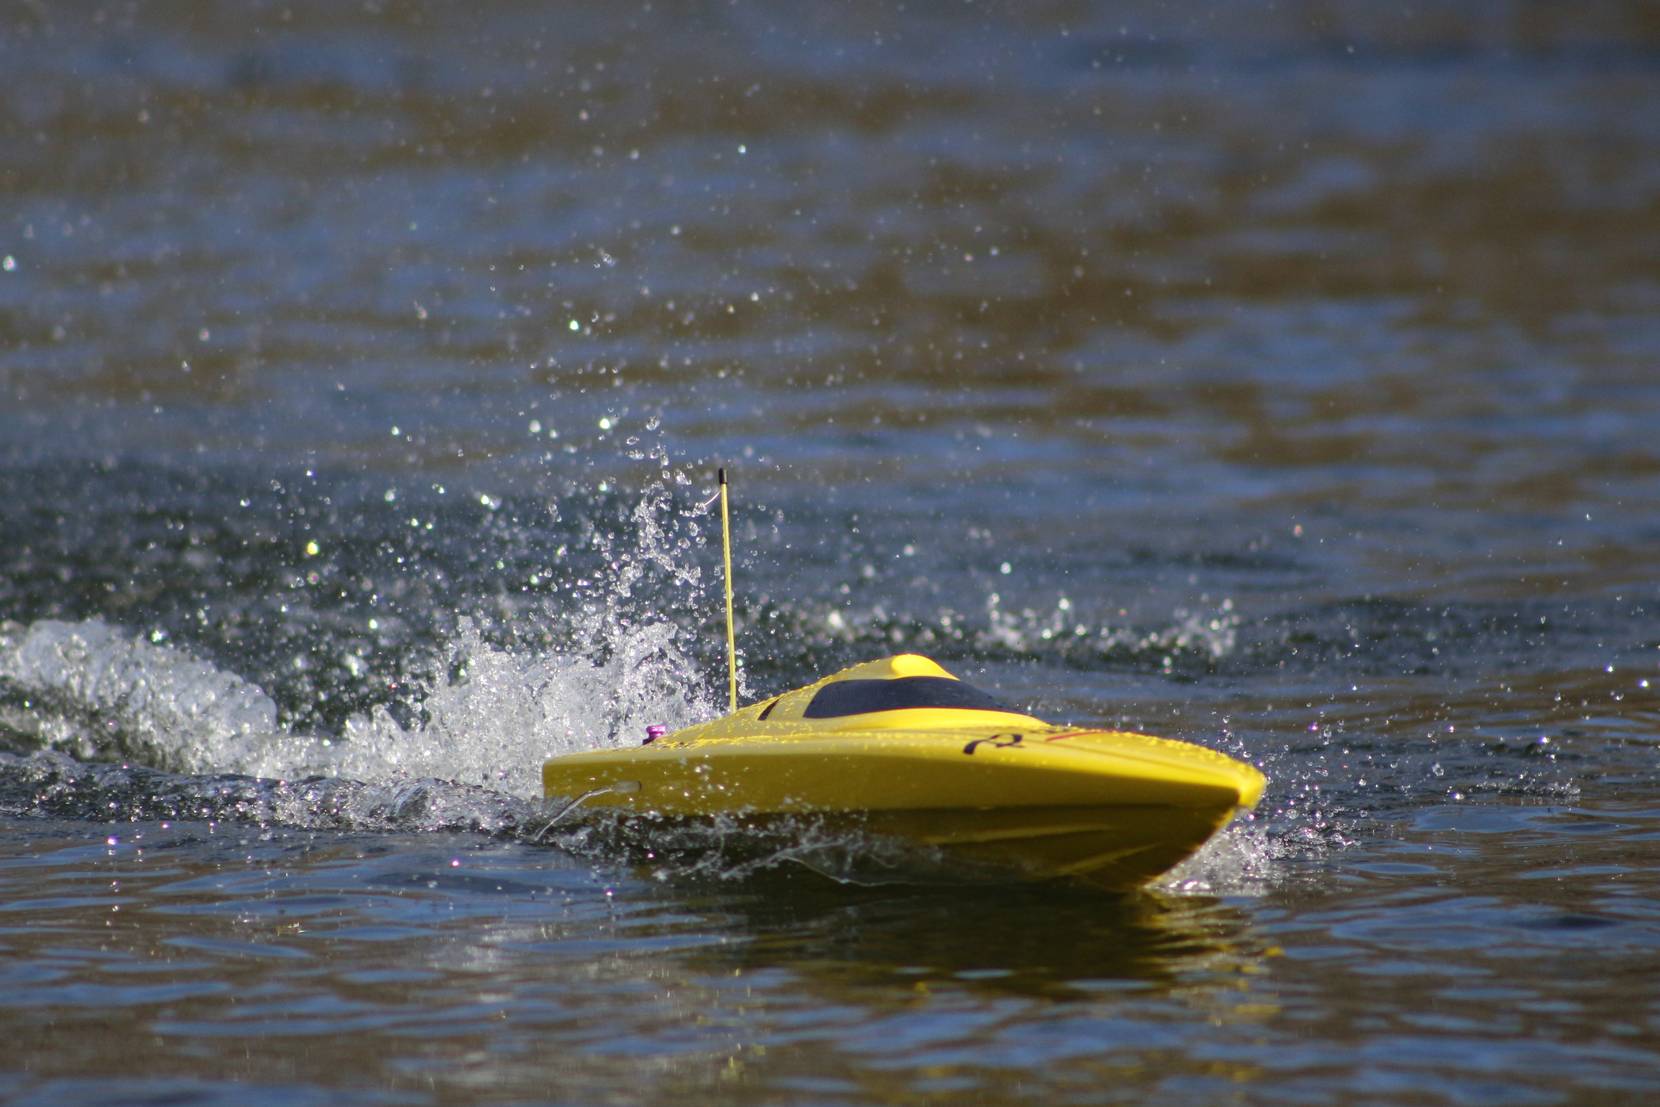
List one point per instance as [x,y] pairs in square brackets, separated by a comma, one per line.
[1278,378]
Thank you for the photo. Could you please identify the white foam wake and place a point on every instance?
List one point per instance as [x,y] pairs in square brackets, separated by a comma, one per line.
[91,689]
[96,691]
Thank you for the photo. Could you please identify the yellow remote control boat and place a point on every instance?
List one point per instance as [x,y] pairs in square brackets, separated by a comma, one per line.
[899,748]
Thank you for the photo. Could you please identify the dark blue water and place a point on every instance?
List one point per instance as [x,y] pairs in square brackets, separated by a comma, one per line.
[1282,380]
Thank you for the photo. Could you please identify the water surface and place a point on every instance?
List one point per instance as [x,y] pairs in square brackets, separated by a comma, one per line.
[1277,379]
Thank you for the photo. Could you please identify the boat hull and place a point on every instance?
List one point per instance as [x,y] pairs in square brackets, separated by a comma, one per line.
[1108,808]
[1114,848]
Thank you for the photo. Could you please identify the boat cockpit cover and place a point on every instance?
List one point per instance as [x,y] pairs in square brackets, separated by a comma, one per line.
[860,697]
